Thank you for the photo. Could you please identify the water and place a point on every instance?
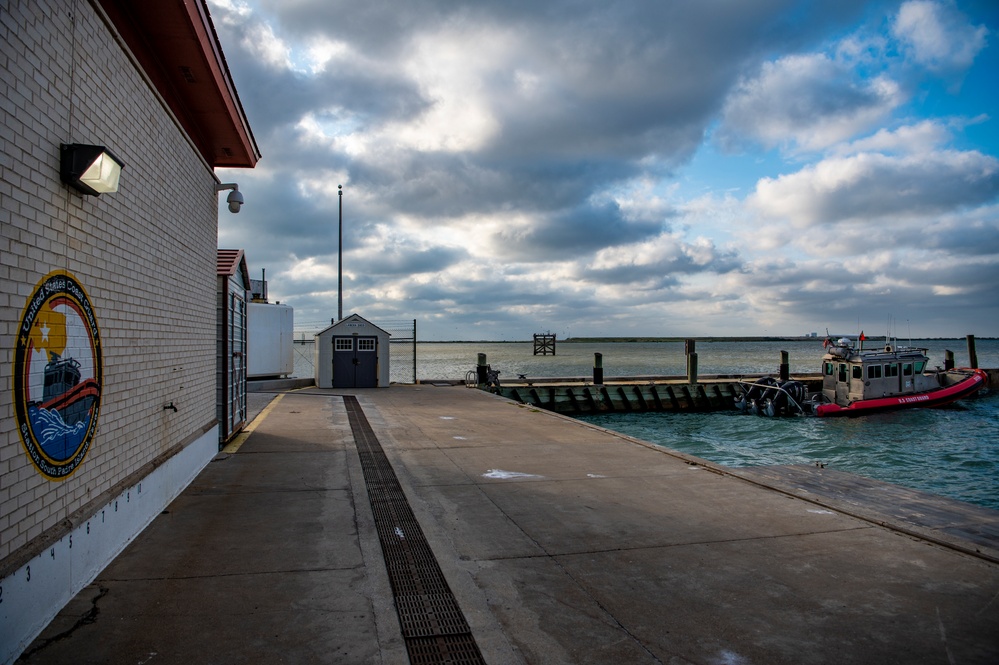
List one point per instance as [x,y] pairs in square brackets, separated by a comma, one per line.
[452,360]
[951,452]
[57,439]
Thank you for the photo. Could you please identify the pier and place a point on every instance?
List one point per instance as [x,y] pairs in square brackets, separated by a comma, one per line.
[426,524]
[579,395]
[690,393]
[573,396]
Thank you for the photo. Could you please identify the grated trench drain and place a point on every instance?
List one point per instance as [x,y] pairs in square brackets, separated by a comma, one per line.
[432,624]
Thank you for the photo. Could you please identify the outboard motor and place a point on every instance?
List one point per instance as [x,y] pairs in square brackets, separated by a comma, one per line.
[797,391]
[786,401]
[749,400]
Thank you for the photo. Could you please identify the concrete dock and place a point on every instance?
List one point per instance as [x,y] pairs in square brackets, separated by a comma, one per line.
[553,541]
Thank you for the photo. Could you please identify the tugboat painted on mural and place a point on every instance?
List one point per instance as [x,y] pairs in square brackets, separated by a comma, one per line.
[58,373]
[857,381]
[64,392]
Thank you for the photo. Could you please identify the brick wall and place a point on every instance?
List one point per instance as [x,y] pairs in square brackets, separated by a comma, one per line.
[145,255]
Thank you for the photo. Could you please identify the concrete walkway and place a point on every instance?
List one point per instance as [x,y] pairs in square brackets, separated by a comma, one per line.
[562,543]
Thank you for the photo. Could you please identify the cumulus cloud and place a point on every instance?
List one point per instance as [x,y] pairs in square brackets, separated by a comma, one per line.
[922,137]
[513,164]
[806,102]
[663,260]
[874,187]
[938,36]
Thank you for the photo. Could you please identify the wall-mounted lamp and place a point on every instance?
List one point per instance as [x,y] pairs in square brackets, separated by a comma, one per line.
[92,169]
[235,199]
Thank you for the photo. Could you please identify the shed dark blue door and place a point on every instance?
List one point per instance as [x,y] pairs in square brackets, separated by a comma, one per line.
[355,362]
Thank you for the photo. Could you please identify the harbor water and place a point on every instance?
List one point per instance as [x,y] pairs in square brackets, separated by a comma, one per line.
[952,452]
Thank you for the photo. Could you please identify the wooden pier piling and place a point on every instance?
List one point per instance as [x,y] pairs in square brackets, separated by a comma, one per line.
[692,368]
[480,369]
[690,352]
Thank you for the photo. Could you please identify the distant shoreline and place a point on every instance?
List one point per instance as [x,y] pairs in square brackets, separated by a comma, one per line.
[673,340]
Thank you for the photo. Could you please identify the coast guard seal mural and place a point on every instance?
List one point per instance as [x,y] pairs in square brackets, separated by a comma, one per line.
[57,375]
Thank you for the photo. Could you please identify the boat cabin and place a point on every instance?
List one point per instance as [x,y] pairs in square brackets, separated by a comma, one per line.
[850,374]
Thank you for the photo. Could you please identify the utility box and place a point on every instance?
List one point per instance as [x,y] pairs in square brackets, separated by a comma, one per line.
[352,353]
[270,340]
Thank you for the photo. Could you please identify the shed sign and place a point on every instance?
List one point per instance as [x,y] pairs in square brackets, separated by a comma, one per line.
[58,373]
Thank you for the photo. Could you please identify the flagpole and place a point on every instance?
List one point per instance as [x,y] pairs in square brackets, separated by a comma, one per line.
[339,259]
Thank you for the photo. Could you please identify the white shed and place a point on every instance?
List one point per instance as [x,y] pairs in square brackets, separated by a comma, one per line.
[352,353]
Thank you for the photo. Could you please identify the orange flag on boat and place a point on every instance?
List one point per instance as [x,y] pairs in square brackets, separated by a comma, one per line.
[862,338]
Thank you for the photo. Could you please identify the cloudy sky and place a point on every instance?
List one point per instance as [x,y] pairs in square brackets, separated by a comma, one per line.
[639,167]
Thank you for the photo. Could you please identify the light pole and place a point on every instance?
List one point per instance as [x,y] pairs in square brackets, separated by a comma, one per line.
[339,270]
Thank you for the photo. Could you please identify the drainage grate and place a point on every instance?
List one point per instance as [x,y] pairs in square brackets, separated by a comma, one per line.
[432,624]
[443,649]
[429,615]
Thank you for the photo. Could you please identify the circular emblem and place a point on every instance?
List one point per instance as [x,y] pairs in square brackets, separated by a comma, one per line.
[57,375]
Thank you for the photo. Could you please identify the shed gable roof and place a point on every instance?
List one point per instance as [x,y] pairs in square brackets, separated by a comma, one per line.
[229,262]
[352,317]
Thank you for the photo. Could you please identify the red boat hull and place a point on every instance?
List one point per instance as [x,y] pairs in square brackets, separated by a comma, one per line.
[940,397]
[75,403]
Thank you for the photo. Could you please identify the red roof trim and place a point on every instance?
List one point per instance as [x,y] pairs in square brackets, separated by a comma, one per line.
[229,261]
[176,45]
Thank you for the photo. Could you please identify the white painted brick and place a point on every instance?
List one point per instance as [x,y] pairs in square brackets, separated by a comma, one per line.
[150,274]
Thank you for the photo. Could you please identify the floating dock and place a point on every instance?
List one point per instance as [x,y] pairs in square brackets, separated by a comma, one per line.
[635,393]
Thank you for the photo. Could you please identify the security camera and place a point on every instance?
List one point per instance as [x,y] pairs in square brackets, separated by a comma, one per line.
[235,200]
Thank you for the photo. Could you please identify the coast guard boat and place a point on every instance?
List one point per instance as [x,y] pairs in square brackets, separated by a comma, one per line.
[65,393]
[857,381]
